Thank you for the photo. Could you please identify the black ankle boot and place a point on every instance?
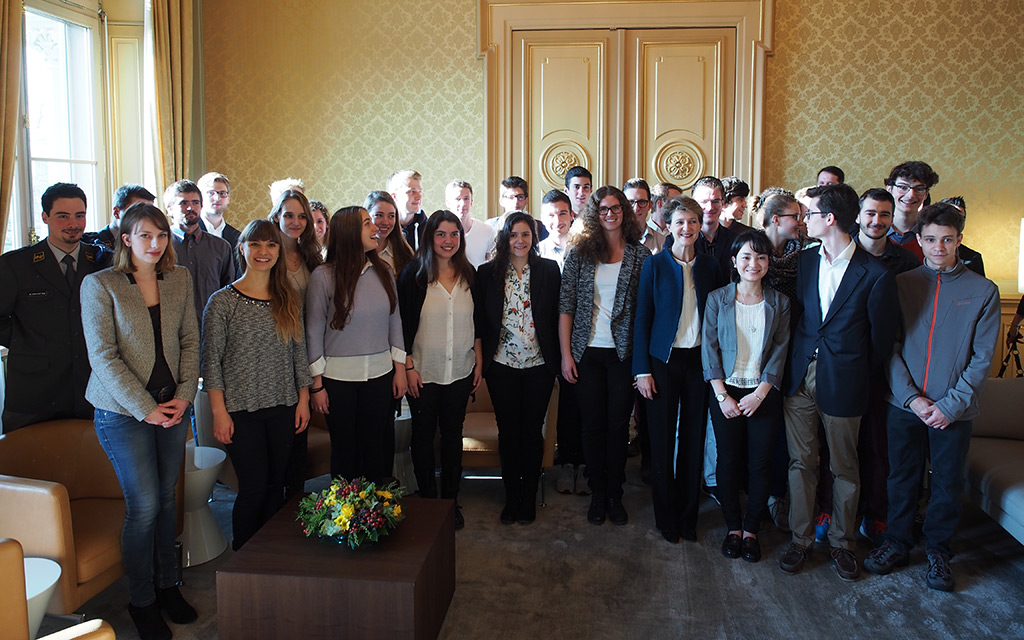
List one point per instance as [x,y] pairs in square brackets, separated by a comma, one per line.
[149,623]
[513,499]
[598,509]
[171,602]
[528,509]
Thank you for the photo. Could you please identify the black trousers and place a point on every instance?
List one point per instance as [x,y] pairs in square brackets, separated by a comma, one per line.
[605,390]
[259,451]
[357,419]
[570,426]
[295,476]
[439,407]
[520,398]
[745,448]
[677,424]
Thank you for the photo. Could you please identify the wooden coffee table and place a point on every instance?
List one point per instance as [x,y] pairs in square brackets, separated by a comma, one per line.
[284,585]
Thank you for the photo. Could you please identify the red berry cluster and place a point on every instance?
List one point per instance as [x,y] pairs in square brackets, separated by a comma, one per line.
[370,519]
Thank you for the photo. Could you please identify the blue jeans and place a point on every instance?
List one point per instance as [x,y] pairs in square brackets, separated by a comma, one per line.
[147,460]
[910,443]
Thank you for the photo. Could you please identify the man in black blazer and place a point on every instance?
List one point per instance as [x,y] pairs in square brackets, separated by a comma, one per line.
[41,315]
[216,190]
[125,196]
[846,300]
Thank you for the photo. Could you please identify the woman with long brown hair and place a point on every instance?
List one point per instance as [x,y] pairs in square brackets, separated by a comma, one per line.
[257,375]
[444,361]
[595,330]
[391,244]
[355,347]
[300,249]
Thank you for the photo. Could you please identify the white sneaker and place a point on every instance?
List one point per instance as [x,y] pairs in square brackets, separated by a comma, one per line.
[582,488]
[566,479]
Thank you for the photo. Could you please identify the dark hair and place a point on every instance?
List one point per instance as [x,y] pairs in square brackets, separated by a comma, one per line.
[759,242]
[61,190]
[514,182]
[733,187]
[838,199]
[502,248]
[915,169]
[958,202]
[130,218]
[346,258]
[876,193]
[307,244]
[285,303]
[660,191]
[834,170]
[589,239]
[681,202]
[426,262]
[772,202]
[710,182]
[128,192]
[942,214]
[637,183]
[578,172]
[557,196]
[401,252]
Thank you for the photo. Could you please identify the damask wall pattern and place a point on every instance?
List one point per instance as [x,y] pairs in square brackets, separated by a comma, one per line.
[868,84]
[341,94]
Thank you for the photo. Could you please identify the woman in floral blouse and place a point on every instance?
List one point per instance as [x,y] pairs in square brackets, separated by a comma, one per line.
[517,319]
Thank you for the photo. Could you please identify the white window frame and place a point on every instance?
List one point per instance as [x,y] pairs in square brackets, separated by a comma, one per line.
[22,217]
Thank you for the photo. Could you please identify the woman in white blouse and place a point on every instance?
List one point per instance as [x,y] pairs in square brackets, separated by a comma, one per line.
[298,238]
[444,364]
[743,349]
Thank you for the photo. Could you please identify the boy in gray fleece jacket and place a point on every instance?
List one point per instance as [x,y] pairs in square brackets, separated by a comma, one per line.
[950,328]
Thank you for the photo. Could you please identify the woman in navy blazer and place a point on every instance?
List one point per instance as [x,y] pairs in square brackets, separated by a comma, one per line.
[744,345]
[674,286]
[516,317]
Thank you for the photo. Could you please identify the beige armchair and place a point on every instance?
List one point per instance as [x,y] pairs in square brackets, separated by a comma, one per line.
[480,433]
[14,612]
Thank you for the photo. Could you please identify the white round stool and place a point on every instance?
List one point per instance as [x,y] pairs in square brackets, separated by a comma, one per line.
[41,576]
[201,540]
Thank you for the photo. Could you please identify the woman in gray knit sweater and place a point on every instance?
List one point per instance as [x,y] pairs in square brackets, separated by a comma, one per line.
[143,341]
[257,375]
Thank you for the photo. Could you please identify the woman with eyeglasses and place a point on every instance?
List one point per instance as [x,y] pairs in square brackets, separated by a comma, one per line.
[355,348]
[674,287]
[445,357]
[517,321]
[391,244]
[257,375]
[142,336]
[743,349]
[298,238]
[595,329]
[782,217]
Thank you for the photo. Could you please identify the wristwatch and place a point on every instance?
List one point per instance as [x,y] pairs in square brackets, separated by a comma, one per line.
[720,397]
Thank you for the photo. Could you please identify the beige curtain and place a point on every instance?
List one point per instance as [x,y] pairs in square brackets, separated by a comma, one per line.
[10,91]
[172,38]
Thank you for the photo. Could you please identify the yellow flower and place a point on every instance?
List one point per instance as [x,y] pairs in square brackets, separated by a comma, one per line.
[386,503]
[398,510]
[346,511]
[362,494]
[384,494]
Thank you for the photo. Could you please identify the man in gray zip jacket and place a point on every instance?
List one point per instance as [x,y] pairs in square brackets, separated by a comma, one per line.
[950,327]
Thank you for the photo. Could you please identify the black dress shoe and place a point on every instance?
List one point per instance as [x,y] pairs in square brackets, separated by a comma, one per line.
[617,512]
[149,623]
[527,511]
[171,603]
[731,545]
[509,513]
[671,536]
[751,550]
[597,511]
[688,534]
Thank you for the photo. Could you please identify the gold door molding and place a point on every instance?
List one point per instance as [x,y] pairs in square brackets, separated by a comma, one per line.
[750,20]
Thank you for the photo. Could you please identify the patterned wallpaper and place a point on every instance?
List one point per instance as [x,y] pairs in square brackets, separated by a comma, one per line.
[341,94]
[867,84]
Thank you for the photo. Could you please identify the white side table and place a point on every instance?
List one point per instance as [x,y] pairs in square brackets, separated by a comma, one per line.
[201,539]
[41,576]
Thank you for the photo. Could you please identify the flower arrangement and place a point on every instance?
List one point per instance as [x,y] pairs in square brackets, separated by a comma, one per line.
[351,512]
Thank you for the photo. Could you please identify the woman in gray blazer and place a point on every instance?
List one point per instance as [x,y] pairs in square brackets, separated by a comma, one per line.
[143,342]
[743,348]
[595,334]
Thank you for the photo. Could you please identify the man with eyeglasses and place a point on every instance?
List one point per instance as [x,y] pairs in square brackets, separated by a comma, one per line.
[405,186]
[715,239]
[514,196]
[846,321]
[639,195]
[216,190]
[909,184]
[207,257]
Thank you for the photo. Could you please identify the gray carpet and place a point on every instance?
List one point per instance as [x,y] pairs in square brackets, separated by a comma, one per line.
[563,578]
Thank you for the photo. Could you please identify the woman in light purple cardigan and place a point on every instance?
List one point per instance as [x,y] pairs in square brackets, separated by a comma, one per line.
[355,346]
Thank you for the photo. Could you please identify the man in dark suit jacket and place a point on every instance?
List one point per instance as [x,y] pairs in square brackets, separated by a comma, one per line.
[41,316]
[125,196]
[216,190]
[847,324]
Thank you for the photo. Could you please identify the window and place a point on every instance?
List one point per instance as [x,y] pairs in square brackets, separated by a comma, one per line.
[60,99]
